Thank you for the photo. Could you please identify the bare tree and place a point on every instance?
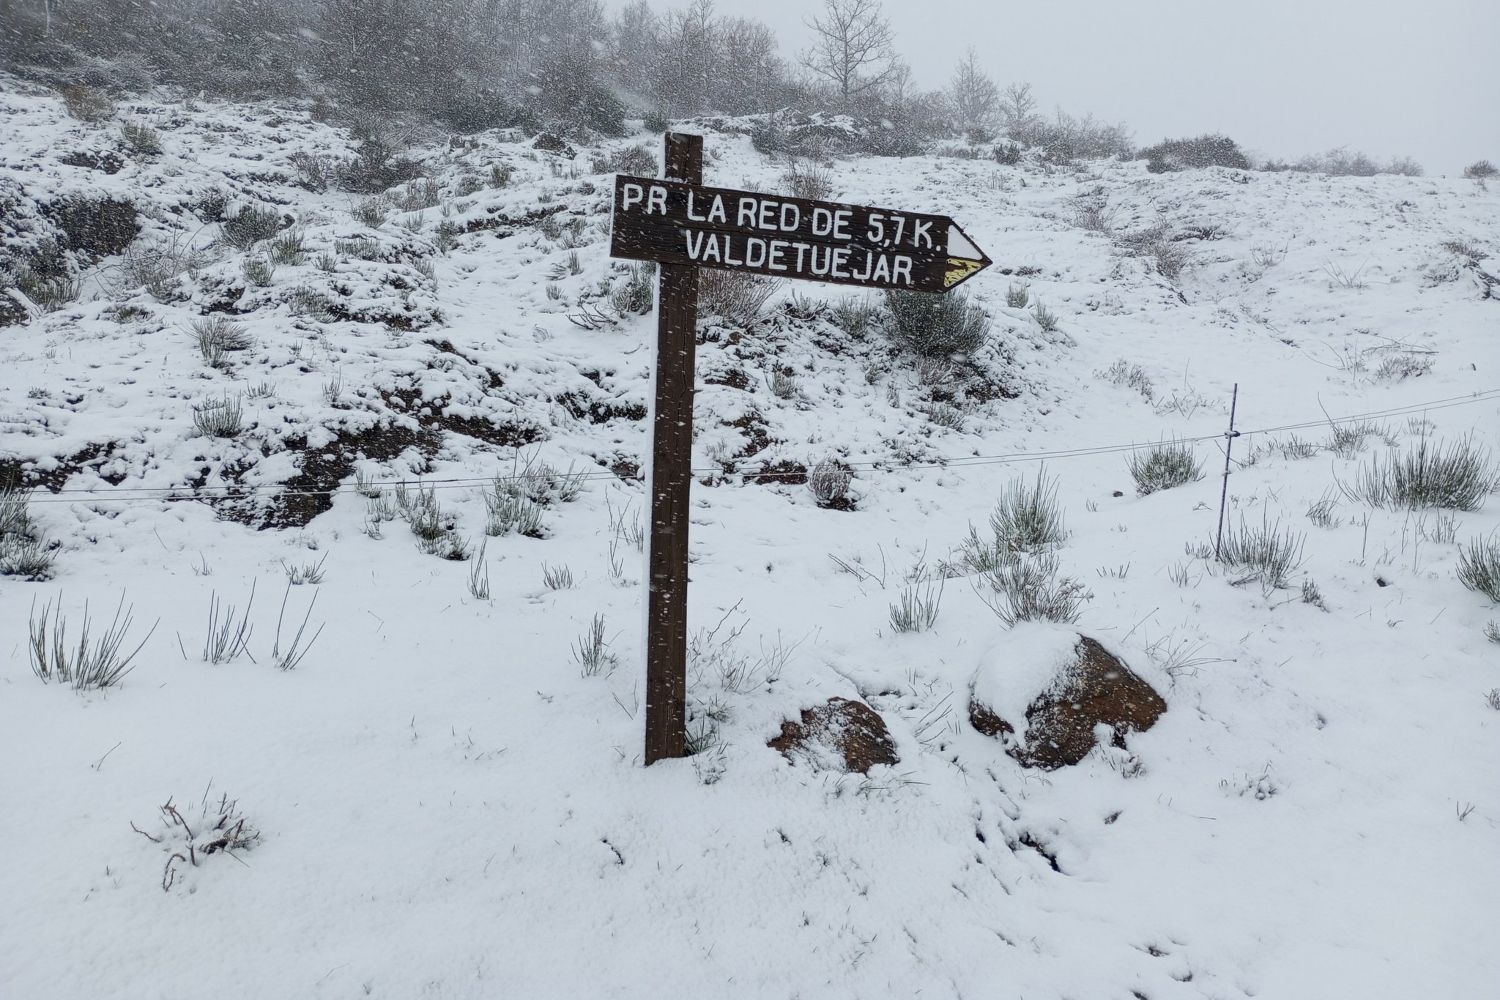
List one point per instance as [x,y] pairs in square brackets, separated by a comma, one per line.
[974,95]
[852,47]
[1018,113]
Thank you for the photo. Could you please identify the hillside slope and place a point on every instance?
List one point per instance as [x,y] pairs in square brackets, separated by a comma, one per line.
[449,806]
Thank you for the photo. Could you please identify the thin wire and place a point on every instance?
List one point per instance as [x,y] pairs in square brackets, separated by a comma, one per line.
[203,494]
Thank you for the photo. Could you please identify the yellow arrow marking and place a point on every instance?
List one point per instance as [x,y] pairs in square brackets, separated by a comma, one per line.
[959,268]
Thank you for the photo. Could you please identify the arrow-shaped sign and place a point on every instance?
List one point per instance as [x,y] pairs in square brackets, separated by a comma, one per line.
[671,222]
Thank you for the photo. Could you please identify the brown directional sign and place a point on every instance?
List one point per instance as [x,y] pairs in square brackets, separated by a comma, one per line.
[678,223]
[673,222]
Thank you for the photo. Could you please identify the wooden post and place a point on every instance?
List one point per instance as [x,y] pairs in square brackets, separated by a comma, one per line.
[671,483]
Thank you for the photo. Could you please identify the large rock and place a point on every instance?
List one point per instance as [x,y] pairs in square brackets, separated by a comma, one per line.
[1068,685]
[842,735]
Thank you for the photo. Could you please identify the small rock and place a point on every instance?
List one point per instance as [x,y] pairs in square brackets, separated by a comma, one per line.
[843,734]
[1090,688]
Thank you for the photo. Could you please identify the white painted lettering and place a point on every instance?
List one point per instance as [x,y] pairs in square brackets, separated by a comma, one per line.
[901,270]
[755,252]
[840,265]
[746,216]
[791,218]
[656,202]
[633,195]
[778,251]
[841,223]
[716,211]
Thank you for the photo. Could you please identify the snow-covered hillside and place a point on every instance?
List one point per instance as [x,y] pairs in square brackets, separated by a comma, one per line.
[448,804]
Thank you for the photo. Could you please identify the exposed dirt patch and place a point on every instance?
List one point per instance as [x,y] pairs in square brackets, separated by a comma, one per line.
[109,163]
[599,411]
[503,225]
[847,734]
[784,472]
[309,492]
[18,474]
[505,434]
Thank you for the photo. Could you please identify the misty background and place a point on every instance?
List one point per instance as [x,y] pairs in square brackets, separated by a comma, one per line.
[1385,87]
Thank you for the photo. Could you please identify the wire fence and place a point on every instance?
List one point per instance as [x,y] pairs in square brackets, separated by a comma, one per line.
[177,494]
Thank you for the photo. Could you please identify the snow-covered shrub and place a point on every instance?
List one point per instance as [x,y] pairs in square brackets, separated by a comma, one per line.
[376,166]
[1046,319]
[855,315]
[1163,466]
[1128,376]
[1017,296]
[636,295]
[88,104]
[140,139]
[1008,154]
[636,160]
[734,296]
[219,417]
[258,271]
[1155,243]
[250,226]
[24,550]
[288,249]
[1340,162]
[830,482]
[96,227]
[216,336]
[1026,587]
[156,267]
[1266,553]
[220,829]
[1211,150]
[94,663]
[1479,568]
[1480,170]
[1456,476]
[917,611]
[807,180]
[591,651]
[1027,519]
[936,326]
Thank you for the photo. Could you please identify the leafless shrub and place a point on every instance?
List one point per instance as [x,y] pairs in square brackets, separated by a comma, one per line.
[158,267]
[221,829]
[735,296]
[228,633]
[88,104]
[289,655]
[91,665]
[1126,375]
[808,180]
[637,160]
[591,651]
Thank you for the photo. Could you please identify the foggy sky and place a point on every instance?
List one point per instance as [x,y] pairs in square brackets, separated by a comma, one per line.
[1282,77]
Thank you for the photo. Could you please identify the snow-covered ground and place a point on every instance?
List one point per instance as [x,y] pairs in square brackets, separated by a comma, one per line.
[448,807]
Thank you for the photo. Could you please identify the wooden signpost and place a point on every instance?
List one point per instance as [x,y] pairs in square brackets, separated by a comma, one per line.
[676,222]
